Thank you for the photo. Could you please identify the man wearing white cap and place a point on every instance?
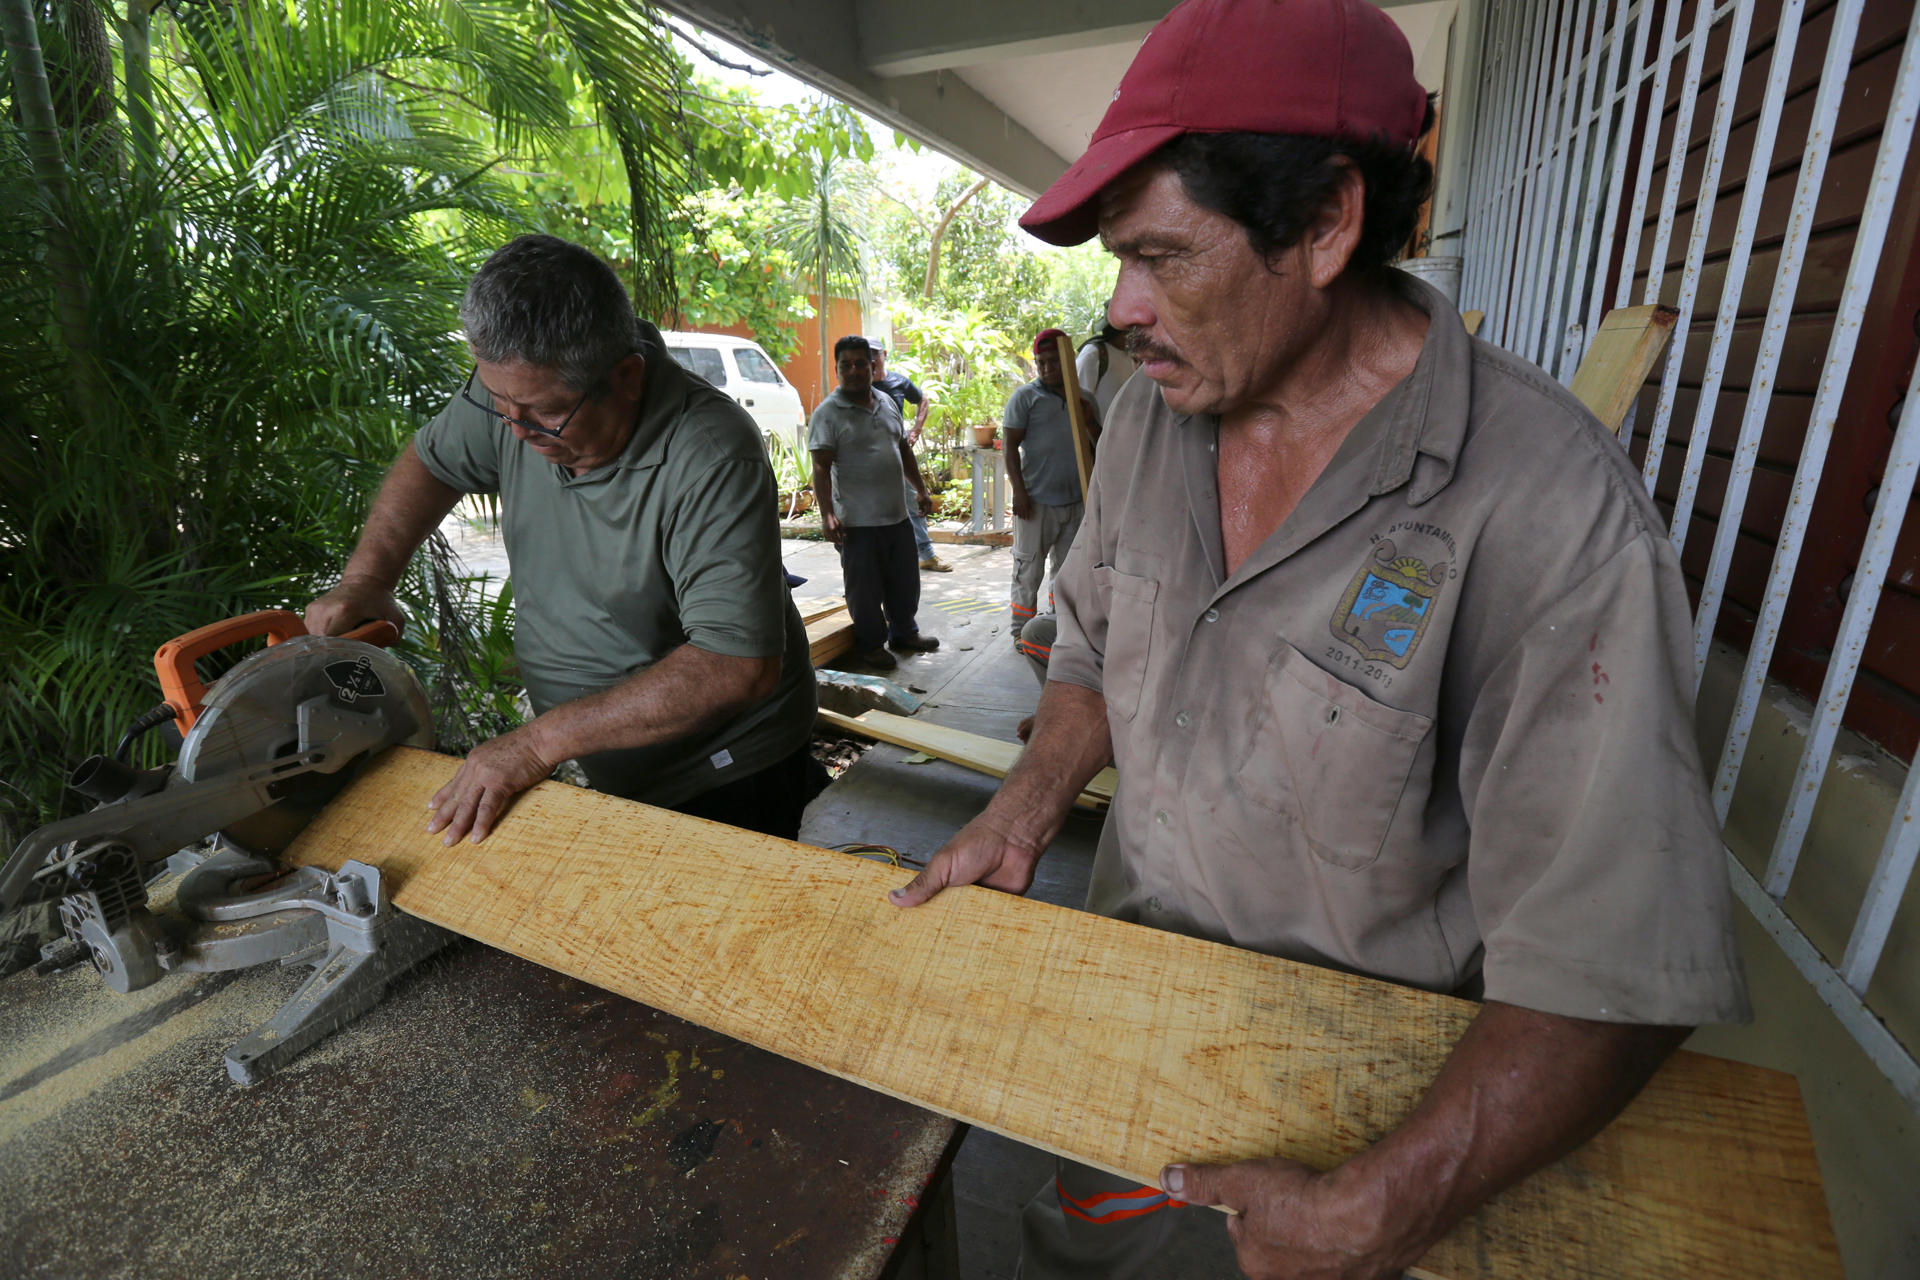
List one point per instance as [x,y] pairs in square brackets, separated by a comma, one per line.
[1385,639]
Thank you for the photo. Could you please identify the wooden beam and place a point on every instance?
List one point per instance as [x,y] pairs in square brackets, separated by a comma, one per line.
[983,755]
[1118,1045]
[1076,413]
[819,609]
[1623,353]
[830,636]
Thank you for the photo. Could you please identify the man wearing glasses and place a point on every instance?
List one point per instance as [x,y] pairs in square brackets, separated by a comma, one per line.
[653,626]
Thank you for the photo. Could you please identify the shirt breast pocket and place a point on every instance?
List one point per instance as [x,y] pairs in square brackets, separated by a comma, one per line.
[1129,639]
[1331,760]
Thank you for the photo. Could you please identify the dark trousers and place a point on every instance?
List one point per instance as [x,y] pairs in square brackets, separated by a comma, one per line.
[770,801]
[883,583]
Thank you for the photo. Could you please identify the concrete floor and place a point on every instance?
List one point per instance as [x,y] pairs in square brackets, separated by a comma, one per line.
[975,682]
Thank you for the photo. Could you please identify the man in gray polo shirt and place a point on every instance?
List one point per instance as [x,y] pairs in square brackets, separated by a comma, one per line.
[653,626]
[1043,474]
[1385,640]
[863,469]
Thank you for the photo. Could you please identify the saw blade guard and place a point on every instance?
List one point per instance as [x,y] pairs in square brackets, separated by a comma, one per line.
[252,715]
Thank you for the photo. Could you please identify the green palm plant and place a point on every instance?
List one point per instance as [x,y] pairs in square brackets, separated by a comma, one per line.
[825,231]
[209,366]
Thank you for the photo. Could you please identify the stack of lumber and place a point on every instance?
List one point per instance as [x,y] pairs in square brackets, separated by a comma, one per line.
[983,755]
[1114,1044]
[829,630]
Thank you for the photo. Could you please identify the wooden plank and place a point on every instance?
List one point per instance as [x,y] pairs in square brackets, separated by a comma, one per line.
[1076,413]
[821,608]
[1623,353]
[829,637]
[1472,320]
[1118,1045]
[983,755]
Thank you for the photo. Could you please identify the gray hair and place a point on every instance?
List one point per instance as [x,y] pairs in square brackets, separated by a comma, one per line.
[539,300]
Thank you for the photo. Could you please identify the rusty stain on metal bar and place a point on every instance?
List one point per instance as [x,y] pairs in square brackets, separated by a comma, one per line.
[1868,1032]
[1510,261]
[1703,211]
[1888,164]
[1663,231]
[1623,144]
[1567,221]
[1547,223]
[1891,875]
[1576,274]
[1740,256]
[1649,150]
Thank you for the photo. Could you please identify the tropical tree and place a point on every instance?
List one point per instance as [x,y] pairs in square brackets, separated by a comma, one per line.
[963,253]
[826,233]
[216,331]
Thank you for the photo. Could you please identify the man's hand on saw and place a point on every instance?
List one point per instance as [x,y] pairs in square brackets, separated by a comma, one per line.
[1292,1222]
[354,601]
[482,791]
[979,853]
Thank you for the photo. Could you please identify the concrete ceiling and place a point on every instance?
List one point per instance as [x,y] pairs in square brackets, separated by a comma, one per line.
[1011,88]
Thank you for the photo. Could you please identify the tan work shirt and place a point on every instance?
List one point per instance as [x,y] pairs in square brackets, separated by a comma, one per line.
[1437,728]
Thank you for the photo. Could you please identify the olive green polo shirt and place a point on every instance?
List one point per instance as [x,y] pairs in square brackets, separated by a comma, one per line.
[1437,728]
[675,542]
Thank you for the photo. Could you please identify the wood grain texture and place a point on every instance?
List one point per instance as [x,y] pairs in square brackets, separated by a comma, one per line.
[983,755]
[829,636]
[1118,1045]
[1623,353]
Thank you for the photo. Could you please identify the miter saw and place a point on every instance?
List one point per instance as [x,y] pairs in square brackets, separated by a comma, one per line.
[262,749]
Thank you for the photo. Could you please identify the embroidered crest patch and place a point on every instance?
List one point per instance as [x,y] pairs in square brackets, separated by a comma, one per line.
[1386,607]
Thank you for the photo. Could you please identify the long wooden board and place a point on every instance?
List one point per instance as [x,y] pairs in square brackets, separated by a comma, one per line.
[1112,1043]
[983,755]
[829,636]
[1076,413]
[1629,341]
[819,609]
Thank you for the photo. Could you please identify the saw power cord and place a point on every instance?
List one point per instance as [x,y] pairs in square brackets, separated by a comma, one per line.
[148,719]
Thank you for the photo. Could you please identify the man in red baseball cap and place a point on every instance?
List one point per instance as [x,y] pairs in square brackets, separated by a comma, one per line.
[1386,641]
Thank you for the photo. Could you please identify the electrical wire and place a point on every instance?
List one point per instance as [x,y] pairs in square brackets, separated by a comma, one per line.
[882,853]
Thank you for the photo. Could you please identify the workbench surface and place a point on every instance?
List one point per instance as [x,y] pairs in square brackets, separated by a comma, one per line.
[491,1118]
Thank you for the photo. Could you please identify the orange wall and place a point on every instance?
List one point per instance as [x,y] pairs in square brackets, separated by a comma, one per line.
[803,370]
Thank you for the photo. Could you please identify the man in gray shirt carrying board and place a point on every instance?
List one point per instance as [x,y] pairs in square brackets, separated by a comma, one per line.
[1044,476]
[860,457]
[653,626]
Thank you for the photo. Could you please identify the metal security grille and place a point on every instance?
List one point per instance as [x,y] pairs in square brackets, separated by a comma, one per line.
[1587,175]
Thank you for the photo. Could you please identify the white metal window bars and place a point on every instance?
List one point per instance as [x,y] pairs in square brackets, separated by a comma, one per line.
[1556,114]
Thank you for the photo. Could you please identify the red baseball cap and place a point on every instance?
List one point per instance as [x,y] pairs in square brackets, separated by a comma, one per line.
[1045,338]
[1319,68]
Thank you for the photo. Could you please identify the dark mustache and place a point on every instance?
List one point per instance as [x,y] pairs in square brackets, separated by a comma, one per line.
[1140,347]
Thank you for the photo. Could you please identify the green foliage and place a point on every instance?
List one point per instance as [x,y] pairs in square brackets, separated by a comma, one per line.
[266,312]
[749,165]
[955,500]
[739,143]
[965,364]
[731,273]
[792,466]
[984,266]
[1081,281]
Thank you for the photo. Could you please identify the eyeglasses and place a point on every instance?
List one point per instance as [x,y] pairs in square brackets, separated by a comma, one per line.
[534,427]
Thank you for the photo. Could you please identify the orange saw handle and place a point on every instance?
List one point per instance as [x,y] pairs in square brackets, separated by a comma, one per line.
[180,682]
